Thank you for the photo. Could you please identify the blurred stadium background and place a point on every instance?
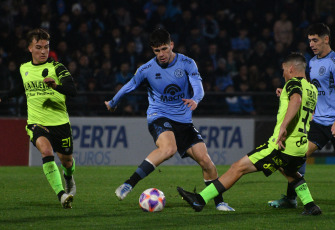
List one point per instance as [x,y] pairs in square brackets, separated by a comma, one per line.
[238,46]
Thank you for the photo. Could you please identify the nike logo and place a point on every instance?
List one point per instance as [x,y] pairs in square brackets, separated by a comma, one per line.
[196,204]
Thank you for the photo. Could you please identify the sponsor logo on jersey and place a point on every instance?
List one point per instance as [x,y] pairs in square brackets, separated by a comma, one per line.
[158,76]
[318,86]
[179,73]
[322,70]
[144,68]
[301,142]
[26,73]
[172,92]
[167,125]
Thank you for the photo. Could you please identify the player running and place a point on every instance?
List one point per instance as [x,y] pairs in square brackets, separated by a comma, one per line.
[285,149]
[174,91]
[46,84]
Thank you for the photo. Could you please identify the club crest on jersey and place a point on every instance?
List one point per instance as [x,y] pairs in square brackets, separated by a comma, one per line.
[322,70]
[26,73]
[178,73]
[167,125]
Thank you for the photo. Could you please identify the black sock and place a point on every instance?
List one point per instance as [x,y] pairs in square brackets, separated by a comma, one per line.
[143,170]
[59,195]
[67,177]
[290,193]
[200,199]
[218,199]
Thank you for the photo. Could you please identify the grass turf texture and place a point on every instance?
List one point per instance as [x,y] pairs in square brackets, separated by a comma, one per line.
[27,201]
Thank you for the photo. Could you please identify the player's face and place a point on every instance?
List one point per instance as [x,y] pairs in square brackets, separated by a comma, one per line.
[319,45]
[164,53]
[39,51]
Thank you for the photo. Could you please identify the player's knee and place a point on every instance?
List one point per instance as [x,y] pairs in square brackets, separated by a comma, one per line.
[67,163]
[46,152]
[169,151]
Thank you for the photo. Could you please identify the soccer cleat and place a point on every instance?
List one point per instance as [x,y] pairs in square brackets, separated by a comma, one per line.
[70,186]
[66,200]
[191,198]
[313,211]
[224,207]
[284,202]
[122,191]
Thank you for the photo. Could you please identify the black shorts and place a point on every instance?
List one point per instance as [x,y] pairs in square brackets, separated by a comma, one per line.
[59,136]
[320,135]
[185,133]
[268,159]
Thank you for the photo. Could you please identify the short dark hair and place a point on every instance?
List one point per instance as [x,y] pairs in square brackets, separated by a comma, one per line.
[319,29]
[38,34]
[159,37]
[297,57]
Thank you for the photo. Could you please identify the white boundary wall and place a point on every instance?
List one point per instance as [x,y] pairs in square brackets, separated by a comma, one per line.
[127,141]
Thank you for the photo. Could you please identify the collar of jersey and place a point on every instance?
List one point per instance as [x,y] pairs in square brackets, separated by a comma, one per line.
[324,56]
[169,65]
[48,60]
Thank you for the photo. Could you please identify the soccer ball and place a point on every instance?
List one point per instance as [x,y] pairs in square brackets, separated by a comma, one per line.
[152,200]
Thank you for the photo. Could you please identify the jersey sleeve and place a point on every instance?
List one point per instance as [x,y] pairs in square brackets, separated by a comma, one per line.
[127,88]
[67,86]
[293,86]
[195,81]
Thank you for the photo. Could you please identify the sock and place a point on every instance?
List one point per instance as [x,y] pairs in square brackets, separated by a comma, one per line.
[68,172]
[291,194]
[212,190]
[143,170]
[52,174]
[303,192]
[218,199]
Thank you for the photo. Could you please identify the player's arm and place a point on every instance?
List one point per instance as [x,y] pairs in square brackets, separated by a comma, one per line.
[127,88]
[294,92]
[15,92]
[67,86]
[196,83]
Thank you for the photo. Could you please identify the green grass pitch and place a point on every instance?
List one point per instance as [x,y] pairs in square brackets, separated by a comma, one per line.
[27,201]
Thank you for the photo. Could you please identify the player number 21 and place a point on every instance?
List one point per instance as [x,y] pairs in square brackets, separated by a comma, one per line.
[66,142]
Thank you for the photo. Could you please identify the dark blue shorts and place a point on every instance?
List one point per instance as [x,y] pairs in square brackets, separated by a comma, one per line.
[185,133]
[320,135]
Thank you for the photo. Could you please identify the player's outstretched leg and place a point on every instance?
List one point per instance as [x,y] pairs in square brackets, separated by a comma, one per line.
[143,170]
[218,200]
[194,199]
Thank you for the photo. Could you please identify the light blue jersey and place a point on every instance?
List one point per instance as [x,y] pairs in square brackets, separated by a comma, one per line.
[166,88]
[322,72]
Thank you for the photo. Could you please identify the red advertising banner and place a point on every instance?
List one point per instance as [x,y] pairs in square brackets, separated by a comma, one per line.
[14,142]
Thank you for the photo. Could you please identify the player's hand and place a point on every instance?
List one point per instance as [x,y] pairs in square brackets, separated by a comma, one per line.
[108,107]
[281,138]
[50,82]
[190,103]
[333,129]
[278,91]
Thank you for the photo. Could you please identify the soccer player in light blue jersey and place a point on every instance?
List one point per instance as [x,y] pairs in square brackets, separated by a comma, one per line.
[322,130]
[174,91]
